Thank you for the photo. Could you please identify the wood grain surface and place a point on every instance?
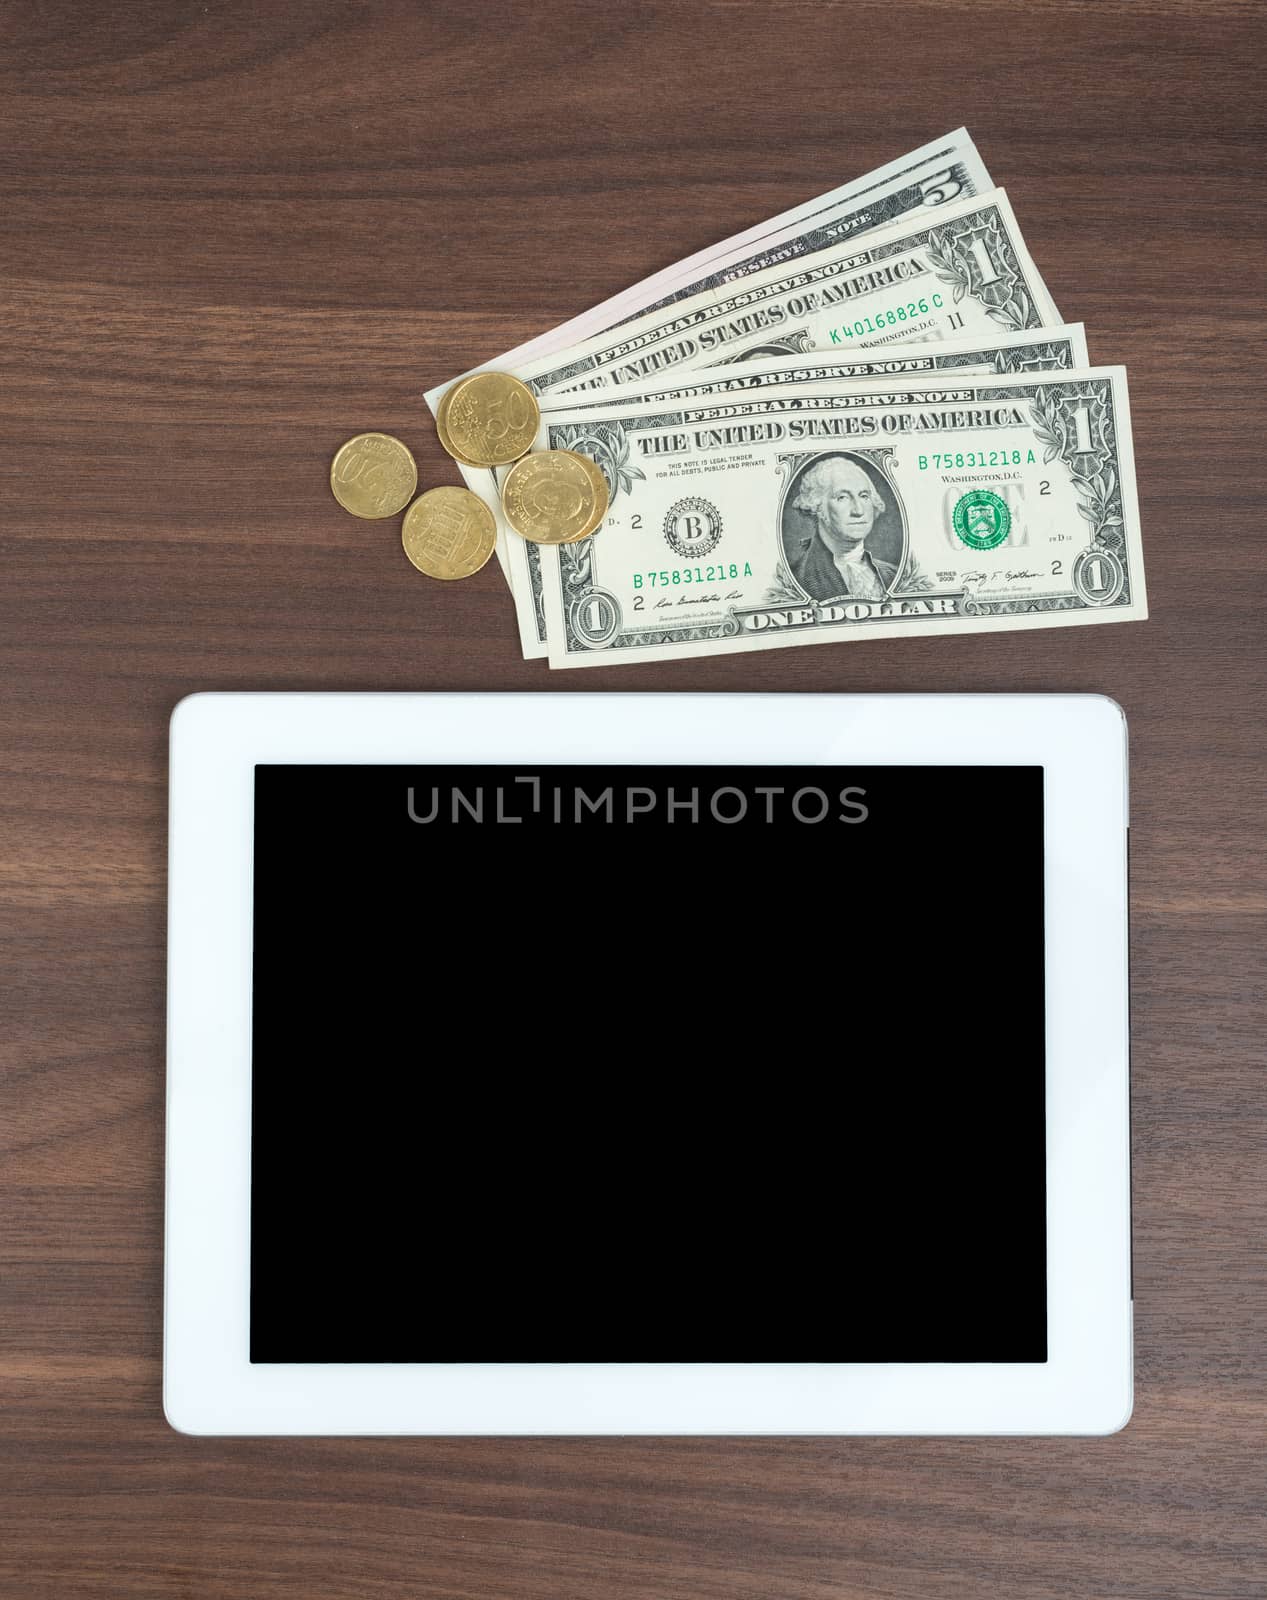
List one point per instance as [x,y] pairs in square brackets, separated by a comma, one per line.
[231,235]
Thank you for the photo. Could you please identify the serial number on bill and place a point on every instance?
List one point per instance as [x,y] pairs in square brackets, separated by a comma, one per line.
[977,458]
[674,577]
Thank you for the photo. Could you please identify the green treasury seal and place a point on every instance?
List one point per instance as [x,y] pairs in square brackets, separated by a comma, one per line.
[982,520]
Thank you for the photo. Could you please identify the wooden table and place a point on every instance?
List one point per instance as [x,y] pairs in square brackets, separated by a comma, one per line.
[230,236]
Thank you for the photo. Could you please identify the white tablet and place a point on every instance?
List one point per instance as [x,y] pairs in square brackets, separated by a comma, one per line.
[617,1063]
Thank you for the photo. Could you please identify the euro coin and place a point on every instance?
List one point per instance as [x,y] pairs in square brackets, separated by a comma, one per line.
[490,419]
[448,533]
[554,497]
[442,429]
[373,475]
[602,499]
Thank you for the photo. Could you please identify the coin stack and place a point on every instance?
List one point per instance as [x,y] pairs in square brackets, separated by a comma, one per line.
[486,421]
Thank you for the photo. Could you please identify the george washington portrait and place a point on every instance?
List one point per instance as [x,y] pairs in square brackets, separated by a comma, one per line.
[842,530]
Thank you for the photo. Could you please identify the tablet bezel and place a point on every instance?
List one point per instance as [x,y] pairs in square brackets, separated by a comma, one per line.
[210,1386]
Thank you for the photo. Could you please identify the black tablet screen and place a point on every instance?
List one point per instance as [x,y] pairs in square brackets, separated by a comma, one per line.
[648,1064]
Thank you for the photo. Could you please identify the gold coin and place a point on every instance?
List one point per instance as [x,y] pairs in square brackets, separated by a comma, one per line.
[373,475]
[554,497]
[490,419]
[448,533]
[442,428]
[602,497]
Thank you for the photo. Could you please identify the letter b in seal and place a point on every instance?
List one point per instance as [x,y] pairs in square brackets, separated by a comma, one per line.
[693,528]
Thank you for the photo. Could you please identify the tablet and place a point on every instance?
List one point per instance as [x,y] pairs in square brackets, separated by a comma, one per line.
[620,1063]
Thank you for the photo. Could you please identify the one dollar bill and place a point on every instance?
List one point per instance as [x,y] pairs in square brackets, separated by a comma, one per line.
[1036,350]
[963,271]
[870,510]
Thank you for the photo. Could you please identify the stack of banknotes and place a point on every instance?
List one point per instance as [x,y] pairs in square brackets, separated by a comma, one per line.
[864,418]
